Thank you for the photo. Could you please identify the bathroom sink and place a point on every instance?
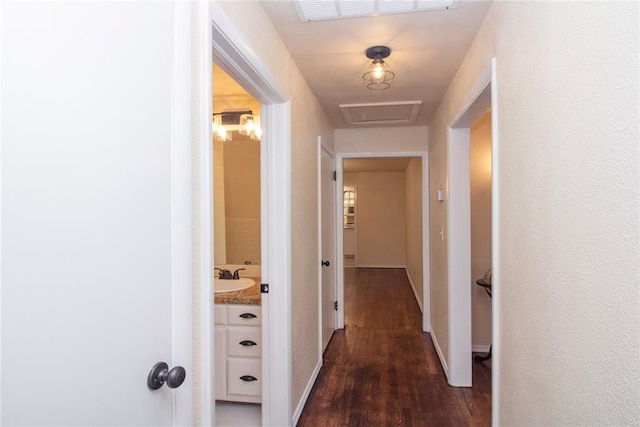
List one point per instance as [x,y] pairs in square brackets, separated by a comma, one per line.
[231,285]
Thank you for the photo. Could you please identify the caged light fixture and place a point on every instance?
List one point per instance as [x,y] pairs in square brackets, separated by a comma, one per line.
[242,121]
[379,75]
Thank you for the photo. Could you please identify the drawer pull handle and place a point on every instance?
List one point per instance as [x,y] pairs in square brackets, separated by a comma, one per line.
[248,316]
[248,378]
[248,343]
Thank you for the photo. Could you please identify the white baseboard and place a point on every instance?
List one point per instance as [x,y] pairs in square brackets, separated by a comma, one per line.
[413,287]
[380,266]
[443,362]
[477,348]
[307,391]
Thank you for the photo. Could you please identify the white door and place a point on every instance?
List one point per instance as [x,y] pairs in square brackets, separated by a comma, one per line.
[328,224]
[95,259]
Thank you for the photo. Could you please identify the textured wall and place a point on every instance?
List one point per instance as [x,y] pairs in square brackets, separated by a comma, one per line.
[308,122]
[567,83]
[413,199]
[477,59]
[380,219]
[480,189]
[388,140]
[569,189]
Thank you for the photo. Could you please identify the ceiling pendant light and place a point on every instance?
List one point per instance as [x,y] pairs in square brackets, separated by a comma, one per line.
[379,75]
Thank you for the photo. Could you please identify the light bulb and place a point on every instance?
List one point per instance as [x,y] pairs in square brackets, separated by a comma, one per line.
[222,134]
[377,74]
[247,124]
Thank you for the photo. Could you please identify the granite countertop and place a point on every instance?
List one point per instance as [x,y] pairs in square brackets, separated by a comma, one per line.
[249,296]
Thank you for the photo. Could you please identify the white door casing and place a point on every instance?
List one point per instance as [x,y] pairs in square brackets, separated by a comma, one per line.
[326,239]
[480,98]
[96,210]
[236,59]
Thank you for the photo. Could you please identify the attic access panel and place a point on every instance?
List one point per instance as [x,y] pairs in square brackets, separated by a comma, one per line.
[309,10]
[381,113]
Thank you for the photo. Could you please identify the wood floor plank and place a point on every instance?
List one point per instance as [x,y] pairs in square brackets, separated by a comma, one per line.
[382,370]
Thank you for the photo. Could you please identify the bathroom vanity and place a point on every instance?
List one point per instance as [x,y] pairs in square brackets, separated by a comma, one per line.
[238,349]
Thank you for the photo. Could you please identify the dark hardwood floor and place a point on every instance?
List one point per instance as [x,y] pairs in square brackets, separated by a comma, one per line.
[382,370]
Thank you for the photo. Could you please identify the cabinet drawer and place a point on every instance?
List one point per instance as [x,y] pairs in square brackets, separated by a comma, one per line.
[245,315]
[245,341]
[220,314]
[239,368]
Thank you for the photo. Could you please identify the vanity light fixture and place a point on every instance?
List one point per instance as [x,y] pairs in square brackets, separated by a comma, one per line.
[379,75]
[242,121]
[250,126]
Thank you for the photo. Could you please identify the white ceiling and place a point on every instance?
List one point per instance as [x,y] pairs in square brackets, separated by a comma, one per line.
[229,95]
[427,50]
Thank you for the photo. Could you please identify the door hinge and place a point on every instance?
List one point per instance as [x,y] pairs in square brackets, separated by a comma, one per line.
[335,305]
[334,175]
[264,288]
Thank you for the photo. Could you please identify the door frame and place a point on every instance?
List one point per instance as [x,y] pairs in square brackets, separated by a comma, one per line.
[481,96]
[426,269]
[322,147]
[236,59]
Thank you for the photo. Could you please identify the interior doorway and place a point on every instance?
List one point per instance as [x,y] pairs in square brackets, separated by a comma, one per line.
[396,206]
[233,57]
[459,364]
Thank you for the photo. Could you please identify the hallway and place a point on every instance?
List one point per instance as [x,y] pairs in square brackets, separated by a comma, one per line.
[382,370]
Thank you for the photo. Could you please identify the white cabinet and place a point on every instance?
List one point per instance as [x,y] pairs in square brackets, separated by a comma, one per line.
[238,350]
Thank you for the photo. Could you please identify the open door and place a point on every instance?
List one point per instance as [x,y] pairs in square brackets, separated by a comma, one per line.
[328,247]
[96,213]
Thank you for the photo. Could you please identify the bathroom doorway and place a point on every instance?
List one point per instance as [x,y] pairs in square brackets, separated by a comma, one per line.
[230,53]
[237,230]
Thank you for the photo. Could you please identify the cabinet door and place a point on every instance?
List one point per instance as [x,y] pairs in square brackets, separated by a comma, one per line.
[220,368]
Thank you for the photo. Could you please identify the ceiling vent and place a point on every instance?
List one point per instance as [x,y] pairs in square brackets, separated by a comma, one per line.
[381,113]
[313,10]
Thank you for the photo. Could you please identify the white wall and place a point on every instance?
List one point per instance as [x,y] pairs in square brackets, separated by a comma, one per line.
[390,139]
[569,185]
[380,218]
[568,179]
[413,198]
[477,59]
[308,122]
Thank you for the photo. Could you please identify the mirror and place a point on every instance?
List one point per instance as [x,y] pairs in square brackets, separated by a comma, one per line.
[236,180]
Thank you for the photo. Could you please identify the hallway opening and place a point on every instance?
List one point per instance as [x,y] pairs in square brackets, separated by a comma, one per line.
[382,369]
[383,209]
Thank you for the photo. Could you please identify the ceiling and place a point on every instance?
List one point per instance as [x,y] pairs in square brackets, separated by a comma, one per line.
[229,95]
[427,49]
